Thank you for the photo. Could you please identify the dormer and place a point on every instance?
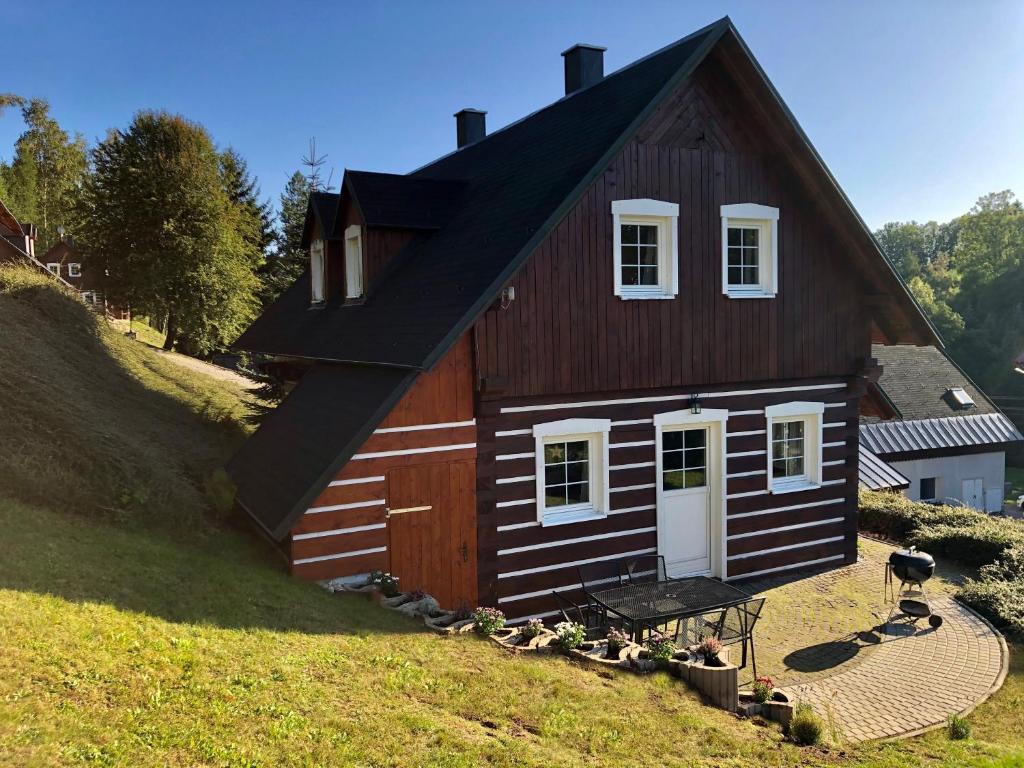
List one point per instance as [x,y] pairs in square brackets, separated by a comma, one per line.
[318,238]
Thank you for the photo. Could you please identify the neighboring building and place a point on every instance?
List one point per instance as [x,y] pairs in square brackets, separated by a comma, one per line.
[65,261]
[638,320]
[933,426]
[17,240]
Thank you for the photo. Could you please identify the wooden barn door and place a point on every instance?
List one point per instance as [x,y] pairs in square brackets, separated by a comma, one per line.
[432,530]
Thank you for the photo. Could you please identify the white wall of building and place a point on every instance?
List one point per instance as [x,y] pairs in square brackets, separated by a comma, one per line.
[950,472]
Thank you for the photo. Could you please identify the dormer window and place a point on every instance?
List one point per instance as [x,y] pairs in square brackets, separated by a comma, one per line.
[317,272]
[353,262]
[750,251]
[646,249]
[74,269]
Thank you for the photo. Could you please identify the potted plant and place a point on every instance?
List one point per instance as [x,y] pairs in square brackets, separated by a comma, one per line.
[617,641]
[570,634]
[487,621]
[659,648]
[709,647]
[531,629]
[762,689]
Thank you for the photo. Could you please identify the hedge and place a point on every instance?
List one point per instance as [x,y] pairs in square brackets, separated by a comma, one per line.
[994,545]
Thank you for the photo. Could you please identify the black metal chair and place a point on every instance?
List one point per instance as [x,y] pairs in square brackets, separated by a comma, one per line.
[642,569]
[736,625]
[591,620]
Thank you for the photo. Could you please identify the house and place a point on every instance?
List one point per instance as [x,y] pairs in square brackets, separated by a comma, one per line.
[638,320]
[935,428]
[17,240]
[67,262]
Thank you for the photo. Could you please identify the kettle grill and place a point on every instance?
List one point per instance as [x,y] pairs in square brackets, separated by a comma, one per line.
[912,568]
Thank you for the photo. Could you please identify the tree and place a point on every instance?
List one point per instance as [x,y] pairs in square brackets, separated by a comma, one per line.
[156,215]
[44,177]
[290,260]
[243,190]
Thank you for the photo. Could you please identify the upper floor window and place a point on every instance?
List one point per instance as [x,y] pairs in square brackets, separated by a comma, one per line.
[794,446]
[74,269]
[750,251]
[54,267]
[317,272]
[353,262]
[646,249]
[571,470]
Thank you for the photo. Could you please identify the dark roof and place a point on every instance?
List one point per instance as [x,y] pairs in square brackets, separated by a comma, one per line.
[917,382]
[408,202]
[948,434]
[875,475]
[295,452]
[322,208]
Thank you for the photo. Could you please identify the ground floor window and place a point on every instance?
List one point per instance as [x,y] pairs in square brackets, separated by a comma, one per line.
[927,489]
[572,470]
[794,446]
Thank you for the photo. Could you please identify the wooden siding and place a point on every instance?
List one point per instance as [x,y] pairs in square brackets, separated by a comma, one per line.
[346,529]
[567,333]
[520,581]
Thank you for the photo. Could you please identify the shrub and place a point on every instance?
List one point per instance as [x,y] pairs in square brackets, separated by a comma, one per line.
[617,640]
[659,647]
[806,727]
[488,620]
[532,629]
[710,647]
[570,634]
[958,728]
[763,688]
[976,542]
[1001,601]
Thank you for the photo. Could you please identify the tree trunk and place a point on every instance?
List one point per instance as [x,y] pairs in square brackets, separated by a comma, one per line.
[172,332]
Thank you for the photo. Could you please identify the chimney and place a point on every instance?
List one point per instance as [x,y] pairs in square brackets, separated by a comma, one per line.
[584,66]
[470,126]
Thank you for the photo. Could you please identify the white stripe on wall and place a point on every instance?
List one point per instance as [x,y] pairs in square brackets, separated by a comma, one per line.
[773,510]
[741,454]
[572,563]
[357,480]
[577,540]
[513,432]
[543,592]
[420,427]
[338,531]
[747,493]
[836,444]
[517,503]
[412,451]
[746,434]
[630,422]
[669,398]
[521,619]
[511,456]
[340,555]
[833,424]
[785,548]
[835,405]
[751,473]
[784,528]
[520,479]
[794,566]
[834,463]
[840,481]
[625,510]
[517,526]
[351,505]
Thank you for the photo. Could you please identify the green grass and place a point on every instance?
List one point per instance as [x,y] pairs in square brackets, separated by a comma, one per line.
[144,332]
[123,643]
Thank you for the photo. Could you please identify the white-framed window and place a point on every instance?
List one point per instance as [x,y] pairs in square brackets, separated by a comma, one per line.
[54,267]
[646,249]
[89,297]
[750,251]
[74,269]
[794,446]
[353,262]
[571,470]
[317,272]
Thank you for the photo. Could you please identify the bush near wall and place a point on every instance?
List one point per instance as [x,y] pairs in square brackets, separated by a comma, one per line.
[994,545]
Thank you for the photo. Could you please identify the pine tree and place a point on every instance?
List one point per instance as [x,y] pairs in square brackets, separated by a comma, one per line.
[243,190]
[291,258]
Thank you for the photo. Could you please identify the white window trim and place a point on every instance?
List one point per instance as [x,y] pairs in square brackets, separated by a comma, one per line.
[74,269]
[596,432]
[318,274]
[53,267]
[811,414]
[766,218]
[354,232]
[666,216]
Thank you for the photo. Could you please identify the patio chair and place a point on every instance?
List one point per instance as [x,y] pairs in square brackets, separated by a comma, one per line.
[736,625]
[591,620]
[642,569]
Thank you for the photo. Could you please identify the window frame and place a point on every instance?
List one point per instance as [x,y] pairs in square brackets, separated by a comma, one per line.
[50,267]
[317,252]
[765,218]
[354,258]
[811,414]
[595,433]
[935,489]
[74,269]
[665,216]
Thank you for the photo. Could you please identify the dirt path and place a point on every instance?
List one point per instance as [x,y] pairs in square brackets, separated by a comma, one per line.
[215,371]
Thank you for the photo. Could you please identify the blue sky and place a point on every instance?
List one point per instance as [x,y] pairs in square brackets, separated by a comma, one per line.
[917,107]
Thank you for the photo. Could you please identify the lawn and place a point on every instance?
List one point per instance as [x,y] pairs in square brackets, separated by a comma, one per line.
[145,634]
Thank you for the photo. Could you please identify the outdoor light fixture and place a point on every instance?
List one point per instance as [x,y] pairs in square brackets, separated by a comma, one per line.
[694,405]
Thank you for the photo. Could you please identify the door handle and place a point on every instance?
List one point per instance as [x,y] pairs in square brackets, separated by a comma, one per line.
[405,510]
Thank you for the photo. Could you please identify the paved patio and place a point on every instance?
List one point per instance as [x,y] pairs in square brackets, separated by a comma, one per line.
[824,639]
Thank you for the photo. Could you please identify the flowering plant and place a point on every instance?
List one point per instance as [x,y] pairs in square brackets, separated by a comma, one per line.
[532,629]
[710,647]
[762,688]
[617,640]
[570,634]
[659,647]
[488,620]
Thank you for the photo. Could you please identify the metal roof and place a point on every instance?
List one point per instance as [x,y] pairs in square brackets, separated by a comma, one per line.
[875,475]
[892,437]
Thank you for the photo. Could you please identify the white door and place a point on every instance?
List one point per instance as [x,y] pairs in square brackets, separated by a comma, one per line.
[684,499]
[974,494]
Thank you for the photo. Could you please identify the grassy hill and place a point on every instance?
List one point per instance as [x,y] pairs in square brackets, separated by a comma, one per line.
[132,645]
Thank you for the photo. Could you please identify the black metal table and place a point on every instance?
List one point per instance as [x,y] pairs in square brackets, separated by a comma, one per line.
[653,603]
